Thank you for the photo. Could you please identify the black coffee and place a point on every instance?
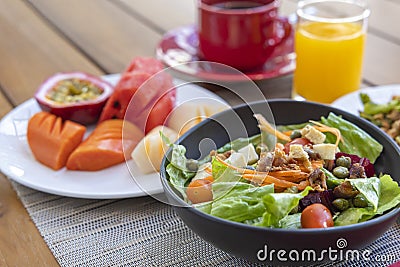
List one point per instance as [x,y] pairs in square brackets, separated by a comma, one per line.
[237,4]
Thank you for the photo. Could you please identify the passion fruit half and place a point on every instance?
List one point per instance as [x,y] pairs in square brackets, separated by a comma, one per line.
[74,96]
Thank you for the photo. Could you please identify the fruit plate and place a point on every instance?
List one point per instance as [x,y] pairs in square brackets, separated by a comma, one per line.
[18,163]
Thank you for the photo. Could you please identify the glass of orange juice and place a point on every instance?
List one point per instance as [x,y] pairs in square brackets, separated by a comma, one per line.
[329,46]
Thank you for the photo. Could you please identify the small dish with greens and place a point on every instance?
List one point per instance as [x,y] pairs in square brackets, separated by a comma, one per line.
[316,174]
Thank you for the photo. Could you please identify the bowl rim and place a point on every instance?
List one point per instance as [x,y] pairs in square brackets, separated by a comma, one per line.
[336,229]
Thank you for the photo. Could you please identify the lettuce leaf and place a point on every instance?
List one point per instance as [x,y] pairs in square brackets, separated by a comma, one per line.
[370,188]
[221,173]
[178,174]
[279,205]
[389,198]
[390,194]
[240,143]
[292,221]
[240,201]
[355,140]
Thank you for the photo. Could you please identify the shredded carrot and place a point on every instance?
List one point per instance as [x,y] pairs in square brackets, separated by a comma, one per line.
[323,128]
[268,179]
[240,170]
[208,170]
[280,179]
[265,126]
[291,176]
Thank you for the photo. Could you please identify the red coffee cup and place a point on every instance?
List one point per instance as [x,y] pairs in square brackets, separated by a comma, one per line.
[241,34]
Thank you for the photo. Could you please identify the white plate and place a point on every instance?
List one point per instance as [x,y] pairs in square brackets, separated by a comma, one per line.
[18,163]
[378,94]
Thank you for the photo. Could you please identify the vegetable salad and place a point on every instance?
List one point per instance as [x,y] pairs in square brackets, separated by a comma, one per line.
[312,175]
[385,116]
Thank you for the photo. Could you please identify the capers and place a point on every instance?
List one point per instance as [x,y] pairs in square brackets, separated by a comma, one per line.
[341,172]
[73,91]
[360,201]
[341,204]
[295,134]
[344,162]
[192,165]
[261,148]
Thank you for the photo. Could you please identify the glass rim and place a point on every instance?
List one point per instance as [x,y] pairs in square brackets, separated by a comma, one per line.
[245,11]
[365,11]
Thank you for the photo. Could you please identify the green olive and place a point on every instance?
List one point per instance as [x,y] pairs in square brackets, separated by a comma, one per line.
[360,201]
[192,165]
[341,204]
[344,162]
[341,172]
[295,134]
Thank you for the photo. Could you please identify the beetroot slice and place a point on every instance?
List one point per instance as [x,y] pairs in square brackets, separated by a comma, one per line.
[366,163]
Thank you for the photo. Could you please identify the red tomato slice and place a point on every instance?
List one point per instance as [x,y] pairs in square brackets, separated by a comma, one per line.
[299,141]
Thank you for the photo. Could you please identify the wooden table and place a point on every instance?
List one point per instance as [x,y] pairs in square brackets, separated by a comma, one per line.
[41,37]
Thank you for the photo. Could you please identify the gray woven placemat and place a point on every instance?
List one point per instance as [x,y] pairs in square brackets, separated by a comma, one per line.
[140,232]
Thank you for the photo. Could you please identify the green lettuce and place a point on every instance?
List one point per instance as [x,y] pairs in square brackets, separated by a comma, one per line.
[292,221]
[279,205]
[370,188]
[372,108]
[240,201]
[178,174]
[355,140]
[389,198]
[240,143]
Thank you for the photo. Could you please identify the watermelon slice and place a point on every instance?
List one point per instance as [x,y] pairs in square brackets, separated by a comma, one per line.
[139,74]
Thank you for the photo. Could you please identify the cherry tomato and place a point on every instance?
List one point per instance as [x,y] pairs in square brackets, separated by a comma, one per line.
[316,216]
[299,141]
[160,111]
[199,191]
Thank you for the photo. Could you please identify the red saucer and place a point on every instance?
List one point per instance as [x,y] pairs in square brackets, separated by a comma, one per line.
[178,49]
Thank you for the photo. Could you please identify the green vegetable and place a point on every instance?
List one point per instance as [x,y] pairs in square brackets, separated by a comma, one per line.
[240,201]
[371,108]
[341,172]
[360,201]
[279,205]
[370,188]
[178,174]
[390,194]
[341,204]
[331,180]
[240,143]
[221,173]
[292,221]
[355,140]
[295,134]
[344,162]
[389,198]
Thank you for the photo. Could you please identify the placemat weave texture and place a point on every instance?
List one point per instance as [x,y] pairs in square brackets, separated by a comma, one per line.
[141,232]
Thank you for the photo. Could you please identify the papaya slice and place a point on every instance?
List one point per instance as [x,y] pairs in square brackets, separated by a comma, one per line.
[110,143]
[52,140]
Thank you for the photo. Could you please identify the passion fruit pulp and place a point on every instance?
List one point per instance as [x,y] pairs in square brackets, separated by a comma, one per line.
[75,96]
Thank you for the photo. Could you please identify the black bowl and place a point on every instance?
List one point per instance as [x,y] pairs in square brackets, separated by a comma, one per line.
[250,242]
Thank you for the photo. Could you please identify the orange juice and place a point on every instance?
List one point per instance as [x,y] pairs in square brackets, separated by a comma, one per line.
[329,60]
